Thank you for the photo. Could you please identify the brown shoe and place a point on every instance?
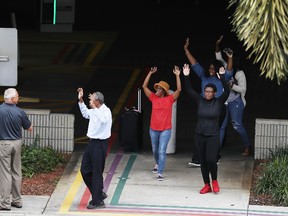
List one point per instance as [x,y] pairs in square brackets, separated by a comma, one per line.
[246,152]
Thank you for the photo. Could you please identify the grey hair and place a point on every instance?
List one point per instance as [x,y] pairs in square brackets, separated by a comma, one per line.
[99,96]
[10,93]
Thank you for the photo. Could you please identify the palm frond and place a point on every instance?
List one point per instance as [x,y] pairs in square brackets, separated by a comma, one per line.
[262,25]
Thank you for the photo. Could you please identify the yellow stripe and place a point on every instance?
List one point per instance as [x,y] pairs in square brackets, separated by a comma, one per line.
[71,193]
[125,93]
[93,53]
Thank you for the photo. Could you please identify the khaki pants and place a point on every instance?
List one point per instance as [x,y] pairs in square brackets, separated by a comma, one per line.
[10,172]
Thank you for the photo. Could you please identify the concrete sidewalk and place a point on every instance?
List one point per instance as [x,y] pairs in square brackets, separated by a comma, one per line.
[133,190]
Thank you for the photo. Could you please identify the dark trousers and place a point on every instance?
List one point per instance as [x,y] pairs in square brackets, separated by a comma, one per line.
[207,148]
[92,167]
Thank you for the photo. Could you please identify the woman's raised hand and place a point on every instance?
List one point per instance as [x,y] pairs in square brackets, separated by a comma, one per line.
[153,69]
[229,52]
[176,70]
[186,69]
[221,72]
[219,40]
[186,45]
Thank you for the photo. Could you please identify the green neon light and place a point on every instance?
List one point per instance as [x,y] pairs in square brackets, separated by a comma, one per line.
[54,12]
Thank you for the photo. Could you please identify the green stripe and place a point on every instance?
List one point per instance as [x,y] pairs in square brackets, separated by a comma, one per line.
[54,12]
[122,180]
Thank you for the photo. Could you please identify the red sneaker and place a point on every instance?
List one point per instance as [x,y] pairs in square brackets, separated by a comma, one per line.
[215,186]
[206,189]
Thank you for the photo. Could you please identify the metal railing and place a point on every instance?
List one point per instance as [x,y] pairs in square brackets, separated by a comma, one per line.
[270,134]
[51,129]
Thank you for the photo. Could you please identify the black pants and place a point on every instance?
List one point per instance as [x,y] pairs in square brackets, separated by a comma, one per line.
[207,148]
[92,167]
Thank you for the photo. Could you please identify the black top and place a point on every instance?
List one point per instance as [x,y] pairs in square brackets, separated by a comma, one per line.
[209,111]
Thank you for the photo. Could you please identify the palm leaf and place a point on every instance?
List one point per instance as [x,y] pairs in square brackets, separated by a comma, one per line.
[262,25]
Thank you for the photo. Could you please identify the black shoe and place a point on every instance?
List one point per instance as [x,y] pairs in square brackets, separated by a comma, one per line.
[96,206]
[16,205]
[4,209]
[104,196]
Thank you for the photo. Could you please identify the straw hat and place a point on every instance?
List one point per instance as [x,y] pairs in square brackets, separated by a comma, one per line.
[163,85]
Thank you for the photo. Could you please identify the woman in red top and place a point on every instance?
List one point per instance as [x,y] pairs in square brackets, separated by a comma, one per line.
[160,122]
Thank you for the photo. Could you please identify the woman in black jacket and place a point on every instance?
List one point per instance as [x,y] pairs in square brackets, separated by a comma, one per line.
[207,136]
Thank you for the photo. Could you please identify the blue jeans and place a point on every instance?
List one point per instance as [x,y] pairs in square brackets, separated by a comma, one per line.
[235,109]
[159,141]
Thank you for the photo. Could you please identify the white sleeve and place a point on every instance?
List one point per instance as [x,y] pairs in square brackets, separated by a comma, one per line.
[84,110]
[219,57]
[241,85]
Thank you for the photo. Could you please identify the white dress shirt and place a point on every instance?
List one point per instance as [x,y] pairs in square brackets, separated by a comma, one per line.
[100,121]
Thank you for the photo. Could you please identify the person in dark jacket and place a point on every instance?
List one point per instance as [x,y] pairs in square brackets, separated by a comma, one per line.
[12,120]
[209,76]
[207,136]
